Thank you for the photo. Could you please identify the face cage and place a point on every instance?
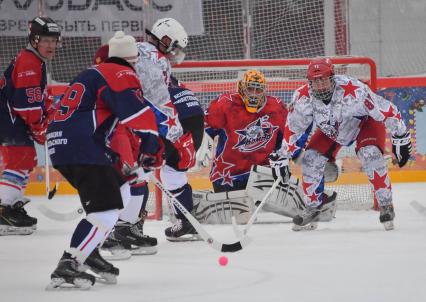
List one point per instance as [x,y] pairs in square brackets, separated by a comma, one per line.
[253,101]
[323,95]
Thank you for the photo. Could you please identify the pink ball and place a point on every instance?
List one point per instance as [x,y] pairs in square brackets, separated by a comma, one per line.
[223,260]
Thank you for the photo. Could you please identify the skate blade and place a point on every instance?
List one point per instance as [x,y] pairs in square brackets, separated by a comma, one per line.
[115,254]
[309,227]
[59,284]
[388,225]
[6,230]
[187,237]
[106,278]
[143,250]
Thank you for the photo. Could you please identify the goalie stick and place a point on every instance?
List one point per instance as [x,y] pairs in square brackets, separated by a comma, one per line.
[49,193]
[221,247]
[253,217]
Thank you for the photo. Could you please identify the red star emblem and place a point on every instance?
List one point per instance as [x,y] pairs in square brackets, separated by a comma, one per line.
[313,198]
[379,182]
[306,186]
[388,113]
[349,89]
[291,148]
[219,167]
[227,179]
[398,116]
[304,91]
[171,121]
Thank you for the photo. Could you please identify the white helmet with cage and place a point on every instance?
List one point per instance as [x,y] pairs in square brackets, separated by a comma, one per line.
[170,38]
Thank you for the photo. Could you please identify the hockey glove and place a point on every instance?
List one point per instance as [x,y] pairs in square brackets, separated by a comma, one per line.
[279,166]
[401,148]
[185,148]
[135,175]
[150,161]
[38,131]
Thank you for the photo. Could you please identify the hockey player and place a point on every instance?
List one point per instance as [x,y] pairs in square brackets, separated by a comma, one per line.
[181,156]
[164,48]
[249,125]
[96,100]
[23,121]
[127,237]
[344,111]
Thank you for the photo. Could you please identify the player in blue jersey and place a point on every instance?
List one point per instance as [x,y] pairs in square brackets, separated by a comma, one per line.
[78,141]
[23,122]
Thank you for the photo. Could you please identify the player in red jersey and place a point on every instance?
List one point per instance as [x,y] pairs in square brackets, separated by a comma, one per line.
[249,125]
[23,121]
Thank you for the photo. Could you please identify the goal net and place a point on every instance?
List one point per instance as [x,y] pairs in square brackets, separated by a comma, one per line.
[209,79]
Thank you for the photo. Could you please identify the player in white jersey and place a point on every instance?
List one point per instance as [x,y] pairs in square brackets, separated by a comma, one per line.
[164,48]
[345,111]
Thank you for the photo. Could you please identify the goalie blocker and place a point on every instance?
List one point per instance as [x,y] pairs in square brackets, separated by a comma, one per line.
[286,200]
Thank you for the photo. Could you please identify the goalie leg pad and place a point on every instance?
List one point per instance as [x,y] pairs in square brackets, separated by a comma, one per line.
[218,208]
[286,200]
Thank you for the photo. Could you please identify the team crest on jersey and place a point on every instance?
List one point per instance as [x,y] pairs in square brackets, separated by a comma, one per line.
[256,135]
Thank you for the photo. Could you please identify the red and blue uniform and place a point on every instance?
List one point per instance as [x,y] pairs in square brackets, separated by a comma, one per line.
[97,100]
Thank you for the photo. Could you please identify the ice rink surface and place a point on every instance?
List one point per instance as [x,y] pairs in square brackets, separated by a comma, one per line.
[351,259]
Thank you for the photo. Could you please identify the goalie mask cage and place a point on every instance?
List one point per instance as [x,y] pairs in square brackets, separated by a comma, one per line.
[209,79]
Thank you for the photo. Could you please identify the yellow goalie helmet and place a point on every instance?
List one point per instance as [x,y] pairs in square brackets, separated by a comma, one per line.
[252,90]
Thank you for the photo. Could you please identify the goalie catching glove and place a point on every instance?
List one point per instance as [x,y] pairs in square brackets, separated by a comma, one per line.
[401,148]
[279,165]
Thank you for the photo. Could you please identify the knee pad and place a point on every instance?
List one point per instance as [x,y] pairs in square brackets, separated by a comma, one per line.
[12,185]
[313,165]
[105,220]
[372,160]
[173,179]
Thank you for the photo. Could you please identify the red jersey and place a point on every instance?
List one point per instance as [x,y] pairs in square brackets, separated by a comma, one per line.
[245,139]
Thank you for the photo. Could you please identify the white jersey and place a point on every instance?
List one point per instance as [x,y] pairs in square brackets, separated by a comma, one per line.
[341,119]
[154,71]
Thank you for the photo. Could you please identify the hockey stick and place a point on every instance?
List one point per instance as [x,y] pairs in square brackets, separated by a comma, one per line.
[221,247]
[240,233]
[418,207]
[74,214]
[49,193]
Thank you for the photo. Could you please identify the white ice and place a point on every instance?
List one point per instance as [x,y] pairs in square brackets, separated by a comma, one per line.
[351,259]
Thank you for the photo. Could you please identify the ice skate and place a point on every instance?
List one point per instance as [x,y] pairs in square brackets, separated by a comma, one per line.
[182,230]
[307,220]
[132,238]
[106,271]
[68,276]
[112,250]
[387,214]
[14,220]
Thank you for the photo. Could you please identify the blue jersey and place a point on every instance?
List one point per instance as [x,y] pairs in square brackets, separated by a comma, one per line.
[191,116]
[185,105]
[96,100]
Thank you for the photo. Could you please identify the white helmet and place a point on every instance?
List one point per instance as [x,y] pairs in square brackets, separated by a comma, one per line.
[169,28]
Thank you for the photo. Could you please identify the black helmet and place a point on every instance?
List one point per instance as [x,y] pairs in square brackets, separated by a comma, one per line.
[43,26]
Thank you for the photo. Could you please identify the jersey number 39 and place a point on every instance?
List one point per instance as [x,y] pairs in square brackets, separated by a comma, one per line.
[70,102]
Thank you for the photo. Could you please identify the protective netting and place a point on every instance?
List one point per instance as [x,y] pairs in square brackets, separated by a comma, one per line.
[208,80]
[230,30]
